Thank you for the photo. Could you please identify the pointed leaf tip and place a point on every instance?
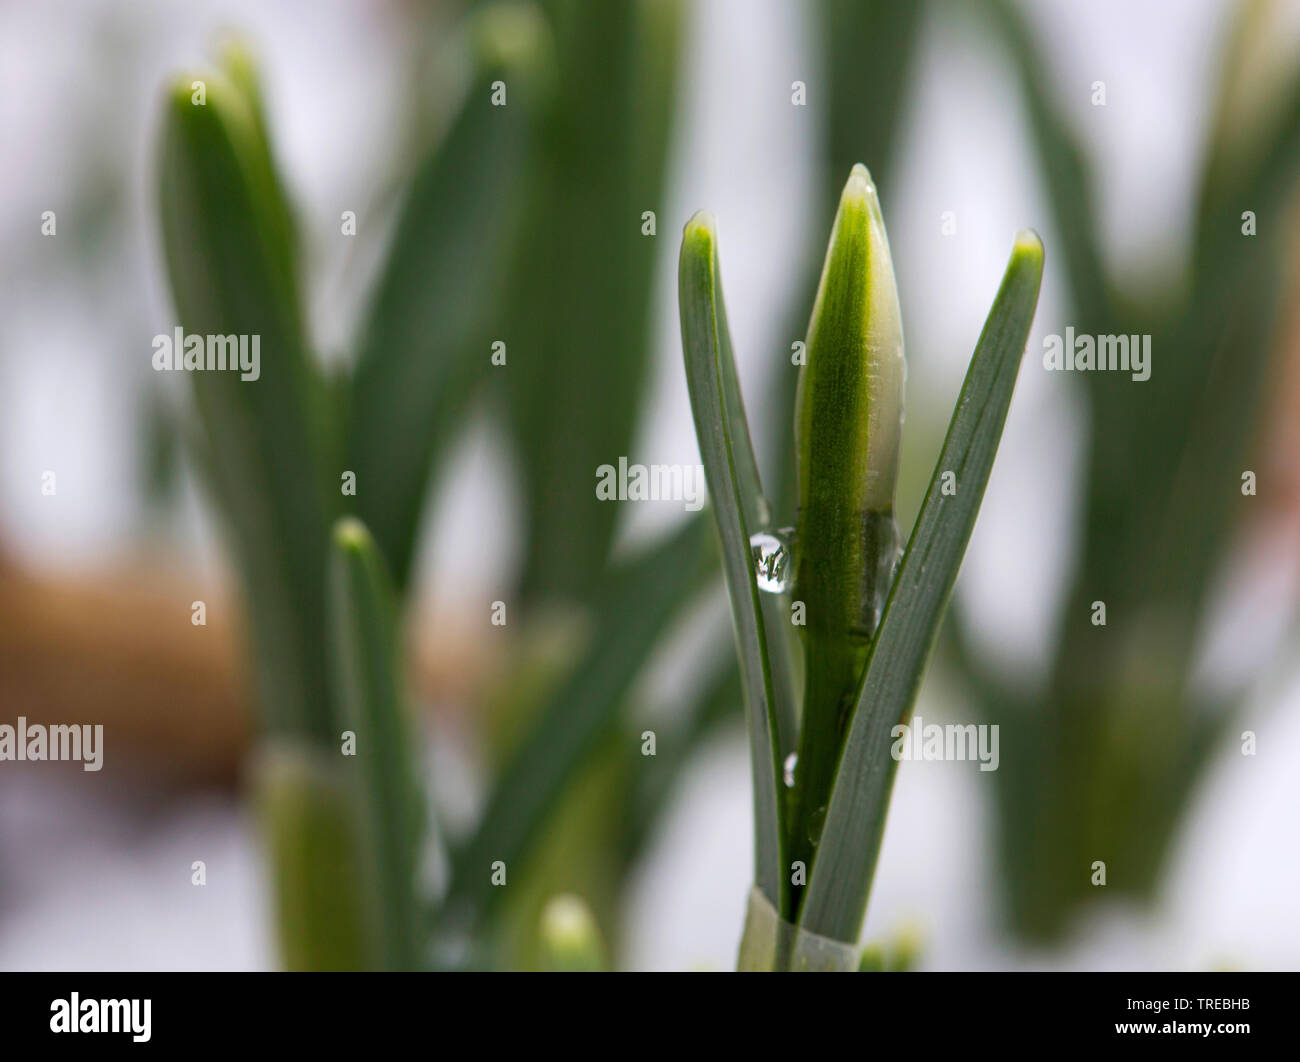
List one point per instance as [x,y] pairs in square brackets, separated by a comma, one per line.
[1028,245]
[860,180]
[350,534]
[700,233]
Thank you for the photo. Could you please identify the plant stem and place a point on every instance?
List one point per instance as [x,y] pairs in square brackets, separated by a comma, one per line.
[830,683]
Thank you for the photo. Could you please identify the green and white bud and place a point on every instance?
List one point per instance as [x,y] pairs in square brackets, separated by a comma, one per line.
[848,425]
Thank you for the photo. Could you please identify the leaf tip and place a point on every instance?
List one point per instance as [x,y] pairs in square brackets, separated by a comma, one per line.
[512,39]
[860,197]
[350,535]
[180,89]
[1029,246]
[182,93]
[701,231]
[860,180]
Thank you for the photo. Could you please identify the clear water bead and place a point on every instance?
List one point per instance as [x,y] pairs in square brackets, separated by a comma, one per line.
[772,567]
[791,762]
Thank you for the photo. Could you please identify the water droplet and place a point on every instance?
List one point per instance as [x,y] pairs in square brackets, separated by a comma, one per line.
[772,567]
[815,823]
[791,762]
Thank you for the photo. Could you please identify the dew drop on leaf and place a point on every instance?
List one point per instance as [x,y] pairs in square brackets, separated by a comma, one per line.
[772,567]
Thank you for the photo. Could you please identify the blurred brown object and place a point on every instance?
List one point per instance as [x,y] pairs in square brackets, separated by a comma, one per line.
[174,698]
[120,650]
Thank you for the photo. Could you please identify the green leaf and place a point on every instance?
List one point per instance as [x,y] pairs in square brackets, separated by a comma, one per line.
[1254,116]
[231,264]
[390,798]
[636,604]
[570,937]
[739,510]
[579,319]
[237,63]
[1064,167]
[1207,401]
[710,705]
[869,49]
[426,345]
[313,835]
[840,878]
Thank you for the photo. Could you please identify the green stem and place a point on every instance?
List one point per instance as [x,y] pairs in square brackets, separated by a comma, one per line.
[833,664]
[832,667]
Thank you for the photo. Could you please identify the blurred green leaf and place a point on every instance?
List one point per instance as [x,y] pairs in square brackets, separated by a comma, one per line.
[237,63]
[368,664]
[232,272]
[1254,107]
[426,343]
[158,439]
[868,49]
[574,849]
[571,940]
[578,323]
[715,701]
[1161,498]
[840,878]
[1063,167]
[899,953]
[1207,403]
[313,834]
[635,605]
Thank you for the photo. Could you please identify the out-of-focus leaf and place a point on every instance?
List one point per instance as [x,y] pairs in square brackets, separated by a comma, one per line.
[1211,395]
[575,849]
[739,510]
[868,48]
[635,605]
[426,343]
[579,319]
[237,64]
[158,442]
[1254,98]
[313,834]
[1161,498]
[840,878]
[571,940]
[232,274]
[1064,169]
[711,704]
[368,664]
